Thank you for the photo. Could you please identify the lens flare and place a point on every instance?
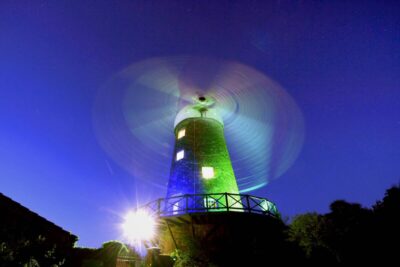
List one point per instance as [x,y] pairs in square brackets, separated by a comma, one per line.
[138,226]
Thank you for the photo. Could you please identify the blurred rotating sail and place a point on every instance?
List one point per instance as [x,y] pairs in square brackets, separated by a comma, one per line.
[135,111]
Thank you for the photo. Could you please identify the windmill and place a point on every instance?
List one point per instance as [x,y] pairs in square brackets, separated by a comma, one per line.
[204,131]
[201,162]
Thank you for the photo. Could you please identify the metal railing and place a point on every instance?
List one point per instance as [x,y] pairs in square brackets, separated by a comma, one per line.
[219,202]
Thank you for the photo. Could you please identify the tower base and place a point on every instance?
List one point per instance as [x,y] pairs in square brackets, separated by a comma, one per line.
[223,239]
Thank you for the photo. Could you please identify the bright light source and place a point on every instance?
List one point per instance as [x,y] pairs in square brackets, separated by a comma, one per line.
[180,155]
[181,133]
[207,172]
[139,226]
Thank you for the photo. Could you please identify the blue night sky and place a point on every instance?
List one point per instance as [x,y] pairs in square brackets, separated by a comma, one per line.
[339,60]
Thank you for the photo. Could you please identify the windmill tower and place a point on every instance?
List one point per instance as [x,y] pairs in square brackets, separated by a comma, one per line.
[208,132]
[203,205]
[201,163]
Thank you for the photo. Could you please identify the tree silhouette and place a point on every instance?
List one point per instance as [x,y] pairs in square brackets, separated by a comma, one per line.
[106,256]
[350,233]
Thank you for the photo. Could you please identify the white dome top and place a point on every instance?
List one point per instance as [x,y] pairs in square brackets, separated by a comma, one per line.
[197,111]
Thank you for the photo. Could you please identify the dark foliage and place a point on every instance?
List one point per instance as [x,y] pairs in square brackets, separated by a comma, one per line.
[350,233]
[106,256]
[27,239]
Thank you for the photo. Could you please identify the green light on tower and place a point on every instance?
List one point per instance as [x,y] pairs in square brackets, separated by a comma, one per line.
[201,162]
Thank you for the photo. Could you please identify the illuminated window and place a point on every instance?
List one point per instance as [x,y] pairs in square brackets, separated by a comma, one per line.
[207,172]
[181,133]
[180,155]
[175,208]
[210,203]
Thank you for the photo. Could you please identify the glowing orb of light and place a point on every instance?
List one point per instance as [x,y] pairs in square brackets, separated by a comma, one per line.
[139,226]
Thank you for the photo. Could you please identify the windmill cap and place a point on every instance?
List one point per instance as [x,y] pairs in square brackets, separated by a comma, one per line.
[197,111]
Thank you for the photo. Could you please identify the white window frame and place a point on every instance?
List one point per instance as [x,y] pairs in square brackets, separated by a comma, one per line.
[181,133]
[175,208]
[207,172]
[210,203]
[180,155]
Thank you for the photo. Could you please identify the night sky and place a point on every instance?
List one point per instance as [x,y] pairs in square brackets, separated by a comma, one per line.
[339,60]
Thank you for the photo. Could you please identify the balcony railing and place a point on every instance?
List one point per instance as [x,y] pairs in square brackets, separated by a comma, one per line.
[220,202]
